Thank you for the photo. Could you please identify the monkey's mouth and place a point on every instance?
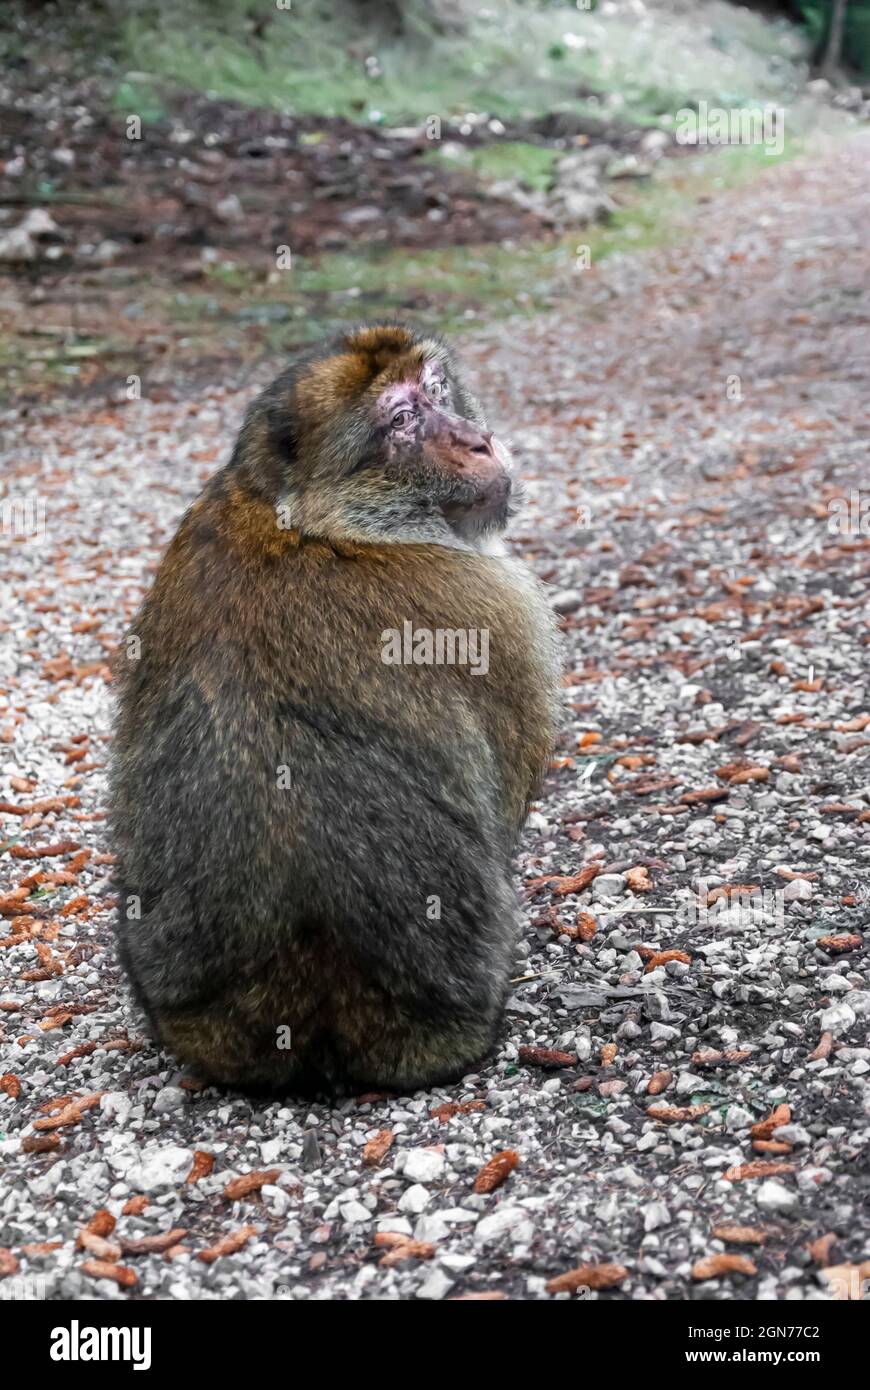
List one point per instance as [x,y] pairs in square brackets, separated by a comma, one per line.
[480,506]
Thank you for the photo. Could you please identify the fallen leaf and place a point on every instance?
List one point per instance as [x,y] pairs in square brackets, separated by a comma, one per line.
[662,958]
[401,1248]
[97,1245]
[227,1245]
[589,1276]
[560,887]
[586,926]
[638,880]
[741,1172]
[376,1148]
[239,1188]
[496,1171]
[40,1143]
[102,1269]
[676,1114]
[43,851]
[703,795]
[740,1235]
[144,1244]
[781,1115]
[714,1266]
[444,1113]
[202,1165]
[838,944]
[71,1114]
[102,1223]
[546,1057]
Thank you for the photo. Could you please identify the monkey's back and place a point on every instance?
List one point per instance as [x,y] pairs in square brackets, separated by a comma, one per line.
[311,839]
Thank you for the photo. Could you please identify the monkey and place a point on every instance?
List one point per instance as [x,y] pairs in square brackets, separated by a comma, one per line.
[314,800]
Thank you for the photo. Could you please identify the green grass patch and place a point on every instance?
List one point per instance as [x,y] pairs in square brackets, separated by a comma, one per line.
[510,59]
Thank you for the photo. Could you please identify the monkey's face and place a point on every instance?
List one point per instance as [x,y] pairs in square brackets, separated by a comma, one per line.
[375,437]
[425,445]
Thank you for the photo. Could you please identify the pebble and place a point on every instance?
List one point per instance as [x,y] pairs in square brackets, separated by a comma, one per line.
[505,1220]
[837,1019]
[436,1285]
[798,890]
[423,1165]
[158,1168]
[415,1200]
[607,886]
[772,1196]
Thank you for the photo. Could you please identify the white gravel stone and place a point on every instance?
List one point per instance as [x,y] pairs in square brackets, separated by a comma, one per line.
[608,886]
[423,1165]
[436,1285]
[168,1099]
[837,1019]
[687,1083]
[798,890]
[354,1213]
[772,1196]
[159,1168]
[505,1220]
[655,1214]
[663,1032]
[415,1200]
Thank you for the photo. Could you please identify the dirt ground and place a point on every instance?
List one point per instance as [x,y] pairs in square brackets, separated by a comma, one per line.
[684,1071]
[165,238]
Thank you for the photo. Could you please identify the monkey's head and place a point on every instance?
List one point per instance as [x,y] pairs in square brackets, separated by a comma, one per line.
[374,437]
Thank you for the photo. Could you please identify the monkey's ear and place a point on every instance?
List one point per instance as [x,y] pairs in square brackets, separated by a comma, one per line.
[464,401]
[282,425]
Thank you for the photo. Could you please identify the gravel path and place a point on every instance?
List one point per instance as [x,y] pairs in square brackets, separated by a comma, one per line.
[688,421]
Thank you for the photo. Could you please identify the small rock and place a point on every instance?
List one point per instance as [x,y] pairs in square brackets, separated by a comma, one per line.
[435,1286]
[415,1200]
[798,890]
[168,1099]
[663,1032]
[504,1220]
[423,1165]
[837,1019]
[159,1168]
[772,1196]
[608,886]
[566,600]
[354,1213]
[655,1214]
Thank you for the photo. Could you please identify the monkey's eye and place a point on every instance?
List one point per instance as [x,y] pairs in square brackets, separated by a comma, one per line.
[401,418]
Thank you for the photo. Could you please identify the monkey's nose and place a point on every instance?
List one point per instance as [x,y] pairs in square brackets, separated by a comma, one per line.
[484,446]
[474,448]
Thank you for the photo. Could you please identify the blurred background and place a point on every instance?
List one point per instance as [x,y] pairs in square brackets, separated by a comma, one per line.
[200,185]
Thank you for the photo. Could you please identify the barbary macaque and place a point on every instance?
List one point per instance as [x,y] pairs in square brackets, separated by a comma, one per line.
[314,818]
